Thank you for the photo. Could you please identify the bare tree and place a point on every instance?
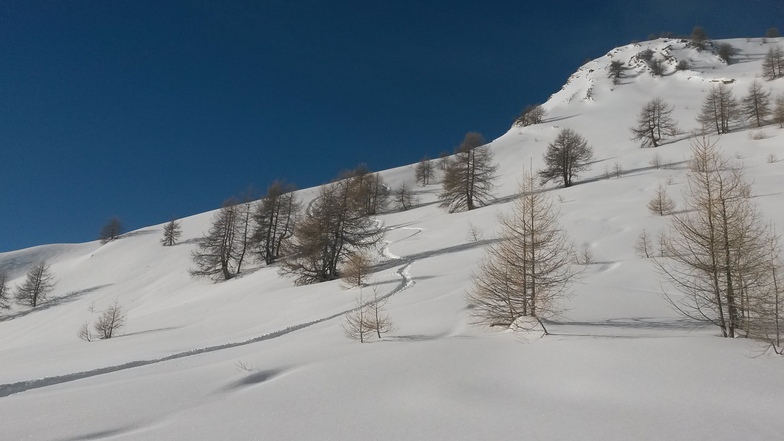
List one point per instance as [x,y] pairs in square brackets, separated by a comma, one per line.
[756,105]
[275,218]
[469,176]
[699,38]
[335,226]
[615,71]
[111,230]
[778,111]
[221,251]
[726,51]
[404,198]
[654,123]
[424,171]
[111,320]
[36,287]
[443,160]
[356,268]
[357,323]
[772,33]
[378,317]
[369,188]
[171,233]
[5,291]
[715,249]
[566,156]
[644,245]
[528,270]
[764,314]
[773,64]
[661,203]
[532,114]
[719,109]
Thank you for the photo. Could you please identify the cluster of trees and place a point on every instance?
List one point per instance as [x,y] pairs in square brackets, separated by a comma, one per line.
[311,246]
[337,224]
[719,253]
[719,112]
[531,114]
[243,229]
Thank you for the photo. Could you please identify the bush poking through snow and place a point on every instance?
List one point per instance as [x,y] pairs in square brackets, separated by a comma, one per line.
[110,320]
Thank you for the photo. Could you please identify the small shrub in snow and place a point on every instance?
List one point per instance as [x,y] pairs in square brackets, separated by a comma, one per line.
[111,320]
[36,287]
[661,203]
[584,256]
[643,246]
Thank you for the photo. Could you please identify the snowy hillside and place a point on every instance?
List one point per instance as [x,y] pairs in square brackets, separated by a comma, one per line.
[258,358]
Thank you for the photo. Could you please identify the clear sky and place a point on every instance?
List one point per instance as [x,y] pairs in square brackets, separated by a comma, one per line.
[148,110]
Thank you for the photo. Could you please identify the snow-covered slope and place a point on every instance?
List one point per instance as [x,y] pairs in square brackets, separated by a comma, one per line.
[258,358]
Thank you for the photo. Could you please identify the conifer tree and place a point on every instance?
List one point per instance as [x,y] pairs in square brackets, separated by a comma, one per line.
[336,225]
[654,123]
[221,252]
[756,105]
[424,171]
[566,156]
[715,250]
[529,269]
[469,176]
[661,203]
[171,233]
[5,291]
[719,109]
[275,218]
[36,287]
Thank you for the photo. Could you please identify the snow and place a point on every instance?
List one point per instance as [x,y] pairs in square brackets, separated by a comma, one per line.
[258,358]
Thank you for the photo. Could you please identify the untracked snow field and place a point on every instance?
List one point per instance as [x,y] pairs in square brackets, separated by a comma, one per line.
[258,358]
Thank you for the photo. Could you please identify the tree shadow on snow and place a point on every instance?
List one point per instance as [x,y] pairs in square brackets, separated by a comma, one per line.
[55,301]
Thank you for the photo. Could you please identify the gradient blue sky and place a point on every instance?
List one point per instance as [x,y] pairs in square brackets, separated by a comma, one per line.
[148,110]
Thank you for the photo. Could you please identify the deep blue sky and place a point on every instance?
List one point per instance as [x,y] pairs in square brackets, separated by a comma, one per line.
[148,110]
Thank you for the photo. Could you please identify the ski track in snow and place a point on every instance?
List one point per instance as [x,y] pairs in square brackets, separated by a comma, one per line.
[22,386]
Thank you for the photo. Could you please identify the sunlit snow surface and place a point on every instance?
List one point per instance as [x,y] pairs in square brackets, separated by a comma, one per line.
[258,358]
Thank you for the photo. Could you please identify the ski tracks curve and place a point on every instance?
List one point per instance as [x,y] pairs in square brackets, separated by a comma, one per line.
[22,386]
